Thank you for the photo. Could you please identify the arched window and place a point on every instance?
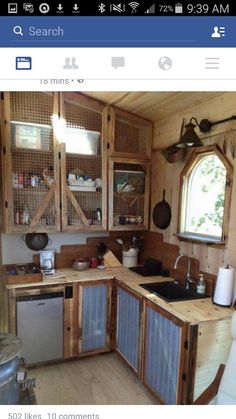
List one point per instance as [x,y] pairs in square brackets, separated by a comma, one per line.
[204,196]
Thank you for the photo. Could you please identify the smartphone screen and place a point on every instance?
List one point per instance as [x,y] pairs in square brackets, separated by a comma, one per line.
[118,129]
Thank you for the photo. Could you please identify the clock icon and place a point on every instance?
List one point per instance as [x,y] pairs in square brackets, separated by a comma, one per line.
[165,63]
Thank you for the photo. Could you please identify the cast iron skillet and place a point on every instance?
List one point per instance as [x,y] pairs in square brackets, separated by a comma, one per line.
[36,241]
[162,214]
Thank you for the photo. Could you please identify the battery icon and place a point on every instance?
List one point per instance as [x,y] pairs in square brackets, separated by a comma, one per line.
[178,8]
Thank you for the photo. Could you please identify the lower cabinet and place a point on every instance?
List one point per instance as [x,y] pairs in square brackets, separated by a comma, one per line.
[163,355]
[128,328]
[94,316]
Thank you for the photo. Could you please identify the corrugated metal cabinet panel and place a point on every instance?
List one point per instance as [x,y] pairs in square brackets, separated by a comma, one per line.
[164,355]
[94,317]
[128,329]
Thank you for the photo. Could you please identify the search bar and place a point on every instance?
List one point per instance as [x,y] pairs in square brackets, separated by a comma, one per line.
[111,31]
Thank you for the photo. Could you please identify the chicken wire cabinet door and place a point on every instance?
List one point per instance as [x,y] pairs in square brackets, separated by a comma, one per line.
[163,367]
[129,190]
[31,162]
[128,327]
[130,135]
[94,318]
[83,164]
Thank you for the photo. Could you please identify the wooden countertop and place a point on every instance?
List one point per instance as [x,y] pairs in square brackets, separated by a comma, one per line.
[190,311]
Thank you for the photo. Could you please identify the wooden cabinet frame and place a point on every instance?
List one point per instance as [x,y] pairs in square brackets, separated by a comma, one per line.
[53,192]
[132,119]
[70,312]
[110,308]
[140,299]
[66,193]
[182,350]
[145,223]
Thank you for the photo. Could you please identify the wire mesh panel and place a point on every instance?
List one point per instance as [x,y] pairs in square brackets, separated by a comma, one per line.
[83,167]
[128,194]
[131,136]
[33,177]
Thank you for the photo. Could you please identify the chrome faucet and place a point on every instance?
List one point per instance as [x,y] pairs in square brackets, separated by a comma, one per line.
[188,279]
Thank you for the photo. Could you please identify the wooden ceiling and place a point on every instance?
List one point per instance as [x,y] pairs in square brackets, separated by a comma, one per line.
[154,105]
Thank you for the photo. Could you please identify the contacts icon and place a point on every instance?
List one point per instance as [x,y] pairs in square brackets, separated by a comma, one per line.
[18,30]
[70,64]
[218,32]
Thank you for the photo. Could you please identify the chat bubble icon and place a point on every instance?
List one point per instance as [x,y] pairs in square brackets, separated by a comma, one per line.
[117,62]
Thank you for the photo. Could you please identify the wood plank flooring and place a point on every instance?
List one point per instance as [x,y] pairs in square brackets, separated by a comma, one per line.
[102,379]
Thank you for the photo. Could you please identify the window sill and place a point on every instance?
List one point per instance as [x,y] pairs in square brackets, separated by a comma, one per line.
[194,238]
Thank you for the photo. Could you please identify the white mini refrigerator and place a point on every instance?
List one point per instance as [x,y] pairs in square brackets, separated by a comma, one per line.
[40,326]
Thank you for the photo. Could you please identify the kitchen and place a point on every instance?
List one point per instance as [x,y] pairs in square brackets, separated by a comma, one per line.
[97,178]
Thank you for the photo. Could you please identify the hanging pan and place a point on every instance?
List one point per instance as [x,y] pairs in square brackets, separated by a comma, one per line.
[36,241]
[162,214]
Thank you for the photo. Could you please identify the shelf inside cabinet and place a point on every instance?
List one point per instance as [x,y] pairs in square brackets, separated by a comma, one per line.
[31,190]
[34,151]
[84,156]
[137,195]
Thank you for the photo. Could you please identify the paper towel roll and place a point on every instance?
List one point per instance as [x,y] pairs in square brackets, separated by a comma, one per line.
[224,286]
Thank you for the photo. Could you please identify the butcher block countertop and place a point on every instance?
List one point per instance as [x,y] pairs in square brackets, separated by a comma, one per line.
[190,311]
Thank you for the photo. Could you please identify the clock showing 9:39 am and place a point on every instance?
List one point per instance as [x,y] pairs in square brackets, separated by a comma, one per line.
[217,8]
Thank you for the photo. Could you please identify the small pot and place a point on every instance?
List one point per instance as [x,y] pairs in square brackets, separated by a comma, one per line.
[81,264]
[36,241]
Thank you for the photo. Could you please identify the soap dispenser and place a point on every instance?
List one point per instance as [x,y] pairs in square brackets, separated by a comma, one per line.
[201,285]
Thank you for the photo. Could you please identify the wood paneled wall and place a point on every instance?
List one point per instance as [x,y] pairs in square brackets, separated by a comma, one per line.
[167,176]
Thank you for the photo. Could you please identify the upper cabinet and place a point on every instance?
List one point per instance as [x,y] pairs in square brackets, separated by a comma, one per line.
[129,135]
[83,163]
[30,162]
[61,153]
[129,188]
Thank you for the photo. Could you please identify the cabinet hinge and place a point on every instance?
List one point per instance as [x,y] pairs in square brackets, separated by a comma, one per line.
[60,205]
[108,146]
[108,118]
[4,150]
[2,95]
[59,155]
[6,204]
[186,344]
[184,376]
[228,183]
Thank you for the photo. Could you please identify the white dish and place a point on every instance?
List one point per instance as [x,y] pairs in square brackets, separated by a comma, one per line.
[101,267]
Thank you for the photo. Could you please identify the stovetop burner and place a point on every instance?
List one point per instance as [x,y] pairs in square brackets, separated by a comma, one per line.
[151,267]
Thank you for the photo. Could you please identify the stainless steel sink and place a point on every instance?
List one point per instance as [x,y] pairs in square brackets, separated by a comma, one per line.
[172,291]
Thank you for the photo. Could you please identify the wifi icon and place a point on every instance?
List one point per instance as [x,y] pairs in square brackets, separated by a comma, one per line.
[134,5]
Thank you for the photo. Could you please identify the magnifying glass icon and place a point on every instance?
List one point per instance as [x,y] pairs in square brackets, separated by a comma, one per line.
[18,30]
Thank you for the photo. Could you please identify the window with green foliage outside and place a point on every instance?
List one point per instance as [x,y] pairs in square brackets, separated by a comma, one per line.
[205,196]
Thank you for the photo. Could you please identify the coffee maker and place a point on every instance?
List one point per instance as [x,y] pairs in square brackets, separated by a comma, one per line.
[47,258]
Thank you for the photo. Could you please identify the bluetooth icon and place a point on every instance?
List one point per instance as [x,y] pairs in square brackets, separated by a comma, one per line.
[102,8]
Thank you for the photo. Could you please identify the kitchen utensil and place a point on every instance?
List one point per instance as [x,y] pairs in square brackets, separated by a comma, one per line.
[120,241]
[36,241]
[162,214]
[81,264]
